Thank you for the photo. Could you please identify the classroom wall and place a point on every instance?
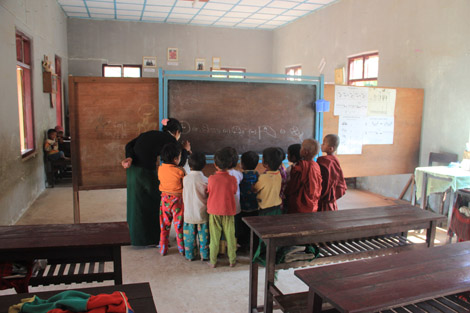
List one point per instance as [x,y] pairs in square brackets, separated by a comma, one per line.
[21,181]
[421,44]
[93,43]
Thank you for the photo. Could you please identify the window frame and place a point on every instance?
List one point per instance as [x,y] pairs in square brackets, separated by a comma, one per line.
[122,66]
[363,57]
[295,68]
[24,62]
[236,71]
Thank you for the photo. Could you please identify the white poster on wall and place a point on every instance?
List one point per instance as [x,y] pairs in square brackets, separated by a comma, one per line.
[351,134]
[351,101]
[379,130]
[381,102]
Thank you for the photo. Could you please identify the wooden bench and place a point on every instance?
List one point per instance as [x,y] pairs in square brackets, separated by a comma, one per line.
[75,253]
[139,296]
[340,235]
[413,281]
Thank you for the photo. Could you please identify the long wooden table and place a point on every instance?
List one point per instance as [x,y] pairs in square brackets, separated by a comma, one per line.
[298,229]
[139,296]
[392,281]
[74,252]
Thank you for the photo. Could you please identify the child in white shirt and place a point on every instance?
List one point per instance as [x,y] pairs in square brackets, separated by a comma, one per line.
[196,219]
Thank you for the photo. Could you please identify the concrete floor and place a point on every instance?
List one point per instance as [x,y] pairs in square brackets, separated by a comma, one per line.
[177,285]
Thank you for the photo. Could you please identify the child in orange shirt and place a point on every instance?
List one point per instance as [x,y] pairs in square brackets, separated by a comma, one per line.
[171,177]
[304,187]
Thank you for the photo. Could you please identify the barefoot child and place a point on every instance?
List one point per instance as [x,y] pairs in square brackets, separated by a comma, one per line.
[171,176]
[196,220]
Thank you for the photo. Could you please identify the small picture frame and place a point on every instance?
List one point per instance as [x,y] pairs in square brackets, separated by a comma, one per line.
[200,65]
[172,54]
[215,63]
[149,61]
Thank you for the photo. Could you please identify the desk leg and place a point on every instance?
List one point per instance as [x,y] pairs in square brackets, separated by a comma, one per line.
[431,234]
[117,266]
[315,302]
[423,191]
[253,280]
[269,276]
[451,207]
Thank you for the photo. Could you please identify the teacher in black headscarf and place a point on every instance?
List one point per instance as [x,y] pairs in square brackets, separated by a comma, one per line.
[143,194]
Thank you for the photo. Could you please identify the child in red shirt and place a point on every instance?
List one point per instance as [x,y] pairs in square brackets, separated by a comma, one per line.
[222,188]
[333,183]
[304,187]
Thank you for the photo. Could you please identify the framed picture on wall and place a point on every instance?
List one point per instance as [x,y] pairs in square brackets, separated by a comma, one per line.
[149,62]
[172,54]
[200,64]
[215,63]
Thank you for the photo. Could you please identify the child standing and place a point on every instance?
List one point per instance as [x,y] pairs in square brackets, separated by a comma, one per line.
[304,187]
[333,183]
[222,188]
[268,186]
[171,176]
[248,201]
[293,156]
[195,209]
[268,189]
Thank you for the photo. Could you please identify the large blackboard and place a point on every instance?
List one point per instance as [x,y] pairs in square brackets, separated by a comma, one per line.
[246,116]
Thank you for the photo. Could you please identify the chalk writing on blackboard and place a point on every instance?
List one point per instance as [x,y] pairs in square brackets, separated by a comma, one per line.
[260,132]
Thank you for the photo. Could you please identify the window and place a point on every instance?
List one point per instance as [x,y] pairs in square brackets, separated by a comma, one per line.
[122,70]
[58,95]
[294,70]
[229,70]
[24,87]
[363,70]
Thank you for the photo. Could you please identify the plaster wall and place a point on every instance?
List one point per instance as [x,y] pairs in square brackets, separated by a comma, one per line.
[421,44]
[92,43]
[22,180]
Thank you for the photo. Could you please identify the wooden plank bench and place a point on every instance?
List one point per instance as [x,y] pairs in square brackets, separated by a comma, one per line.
[341,236]
[75,253]
[139,296]
[413,281]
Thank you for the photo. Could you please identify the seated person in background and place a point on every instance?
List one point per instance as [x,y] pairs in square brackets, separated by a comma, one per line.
[333,183]
[63,146]
[196,220]
[248,202]
[304,187]
[51,146]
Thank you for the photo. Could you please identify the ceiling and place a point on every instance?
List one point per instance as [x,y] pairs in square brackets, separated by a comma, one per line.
[246,14]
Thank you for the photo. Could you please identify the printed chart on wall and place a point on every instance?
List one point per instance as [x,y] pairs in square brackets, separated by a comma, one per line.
[366,117]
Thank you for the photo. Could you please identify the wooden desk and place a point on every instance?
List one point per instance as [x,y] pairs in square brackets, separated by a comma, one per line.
[431,179]
[70,250]
[139,296]
[297,229]
[377,284]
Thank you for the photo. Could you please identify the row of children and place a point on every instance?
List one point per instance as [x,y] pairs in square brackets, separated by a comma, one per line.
[209,207]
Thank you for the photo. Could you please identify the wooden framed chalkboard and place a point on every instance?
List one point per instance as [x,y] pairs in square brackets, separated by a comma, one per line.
[402,156]
[246,116]
[105,114]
